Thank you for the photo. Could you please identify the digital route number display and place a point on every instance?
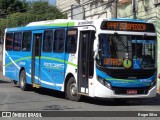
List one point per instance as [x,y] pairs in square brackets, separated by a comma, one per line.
[127,26]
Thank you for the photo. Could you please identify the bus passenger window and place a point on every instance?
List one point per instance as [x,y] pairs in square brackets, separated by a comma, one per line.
[26,42]
[58,45]
[9,41]
[71,43]
[17,41]
[47,41]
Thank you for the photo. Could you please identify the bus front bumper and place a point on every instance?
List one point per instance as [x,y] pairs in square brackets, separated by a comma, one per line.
[104,92]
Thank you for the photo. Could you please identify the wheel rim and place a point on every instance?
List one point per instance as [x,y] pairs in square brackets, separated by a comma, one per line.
[73,89]
[22,82]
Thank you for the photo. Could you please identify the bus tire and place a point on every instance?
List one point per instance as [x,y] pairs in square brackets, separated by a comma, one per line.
[22,81]
[71,90]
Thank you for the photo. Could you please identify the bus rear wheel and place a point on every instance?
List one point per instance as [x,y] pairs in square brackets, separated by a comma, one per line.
[22,81]
[71,90]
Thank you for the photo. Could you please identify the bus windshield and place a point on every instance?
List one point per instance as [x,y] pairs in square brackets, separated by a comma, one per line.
[127,51]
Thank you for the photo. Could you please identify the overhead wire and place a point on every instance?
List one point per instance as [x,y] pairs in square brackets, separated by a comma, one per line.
[88,2]
[106,8]
[145,10]
[82,4]
[94,7]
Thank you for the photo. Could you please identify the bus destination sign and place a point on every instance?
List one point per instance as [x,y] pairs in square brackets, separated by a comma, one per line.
[127,26]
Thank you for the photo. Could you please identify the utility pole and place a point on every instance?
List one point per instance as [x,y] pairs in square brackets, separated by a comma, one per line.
[114,8]
[134,5]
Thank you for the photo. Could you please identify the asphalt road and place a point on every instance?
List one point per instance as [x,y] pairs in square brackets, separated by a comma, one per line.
[13,99]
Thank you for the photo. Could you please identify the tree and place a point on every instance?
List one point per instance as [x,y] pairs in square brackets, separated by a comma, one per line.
[14,13]
[11,6]
[45,10]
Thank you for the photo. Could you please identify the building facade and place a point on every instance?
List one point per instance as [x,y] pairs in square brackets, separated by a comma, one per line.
[89,9]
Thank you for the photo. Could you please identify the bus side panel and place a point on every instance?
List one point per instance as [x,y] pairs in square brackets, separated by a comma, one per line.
[14,62]
[10,67]
[25,62]
[53,69]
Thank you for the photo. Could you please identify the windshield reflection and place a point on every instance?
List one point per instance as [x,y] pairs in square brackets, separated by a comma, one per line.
[124,51]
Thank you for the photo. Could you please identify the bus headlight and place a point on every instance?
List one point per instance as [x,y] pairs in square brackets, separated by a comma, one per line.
[107,84]
[104,82]
[153,83]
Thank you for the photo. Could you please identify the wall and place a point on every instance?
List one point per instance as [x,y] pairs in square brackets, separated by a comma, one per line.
[97,9]
[65,6]
[93,8]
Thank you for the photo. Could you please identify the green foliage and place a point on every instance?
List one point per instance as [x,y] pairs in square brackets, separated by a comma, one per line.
[10,6]
[15,13]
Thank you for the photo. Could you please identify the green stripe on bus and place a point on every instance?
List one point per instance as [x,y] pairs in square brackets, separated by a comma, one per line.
[18,60]
[71,23]
[111,79]
[134,81]
[48,58]
[61,24]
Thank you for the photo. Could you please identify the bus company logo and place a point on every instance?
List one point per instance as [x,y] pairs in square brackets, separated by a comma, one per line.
[145,80]
[54,65]
[22,63]
[85,23]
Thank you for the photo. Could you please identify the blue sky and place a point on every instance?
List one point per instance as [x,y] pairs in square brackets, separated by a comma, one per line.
[50,1]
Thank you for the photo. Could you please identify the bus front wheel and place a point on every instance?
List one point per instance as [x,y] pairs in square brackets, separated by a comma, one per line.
[22,81]
[71,90]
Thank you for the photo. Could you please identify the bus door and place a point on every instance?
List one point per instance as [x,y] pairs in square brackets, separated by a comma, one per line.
[85,60]
[36,54]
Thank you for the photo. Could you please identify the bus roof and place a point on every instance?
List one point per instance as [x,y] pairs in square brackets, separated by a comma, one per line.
[59,23]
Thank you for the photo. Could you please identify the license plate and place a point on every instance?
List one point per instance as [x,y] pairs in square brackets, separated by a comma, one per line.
[131,92]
